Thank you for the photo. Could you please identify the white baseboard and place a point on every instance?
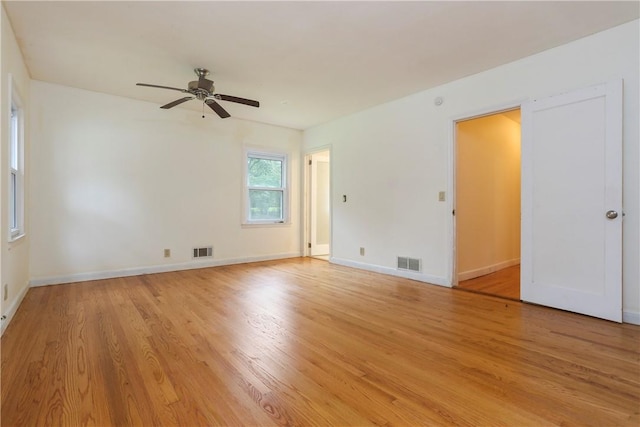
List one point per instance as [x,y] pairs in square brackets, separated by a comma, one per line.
[632,317]
[628,316]
[434,280]
[137,271]
[11,311]
[471,274]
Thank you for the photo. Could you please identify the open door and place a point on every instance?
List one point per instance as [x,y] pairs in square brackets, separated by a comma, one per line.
[572,201]
[487,203]
[320,217]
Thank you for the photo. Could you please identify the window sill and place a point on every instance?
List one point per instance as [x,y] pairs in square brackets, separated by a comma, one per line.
[17,237]
[265,224]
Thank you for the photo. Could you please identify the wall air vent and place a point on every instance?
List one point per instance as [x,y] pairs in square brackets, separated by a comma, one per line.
[410,264]
[206,251]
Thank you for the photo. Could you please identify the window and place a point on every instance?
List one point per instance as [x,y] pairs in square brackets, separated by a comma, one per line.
[266,188]
[16,165]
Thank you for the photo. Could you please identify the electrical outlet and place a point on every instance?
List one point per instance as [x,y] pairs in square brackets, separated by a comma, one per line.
[362,251]
[5,292]
[167,253]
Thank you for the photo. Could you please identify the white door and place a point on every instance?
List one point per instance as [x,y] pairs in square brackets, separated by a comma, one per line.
[572,201]
[320,209]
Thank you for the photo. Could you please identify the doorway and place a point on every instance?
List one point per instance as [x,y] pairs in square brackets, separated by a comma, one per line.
[487,205]
[319,204]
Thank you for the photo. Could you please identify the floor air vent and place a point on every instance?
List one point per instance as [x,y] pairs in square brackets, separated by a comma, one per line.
[410,264]
[207,251]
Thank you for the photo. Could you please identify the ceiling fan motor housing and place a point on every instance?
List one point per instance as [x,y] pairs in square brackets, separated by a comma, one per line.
[202,84]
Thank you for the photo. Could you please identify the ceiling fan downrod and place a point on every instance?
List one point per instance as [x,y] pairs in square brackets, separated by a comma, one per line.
[201,72]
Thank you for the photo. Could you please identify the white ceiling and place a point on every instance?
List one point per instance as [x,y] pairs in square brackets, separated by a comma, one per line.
[306,62]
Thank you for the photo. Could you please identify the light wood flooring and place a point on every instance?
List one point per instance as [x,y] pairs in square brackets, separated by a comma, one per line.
[307,343]
[503,283]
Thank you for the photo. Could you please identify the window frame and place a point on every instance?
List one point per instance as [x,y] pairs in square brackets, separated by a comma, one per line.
[15,168]
[284,188]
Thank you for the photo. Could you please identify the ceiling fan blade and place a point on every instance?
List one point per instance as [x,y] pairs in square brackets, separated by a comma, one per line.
[177,102]
[162,87]
[217,108]
[238,100]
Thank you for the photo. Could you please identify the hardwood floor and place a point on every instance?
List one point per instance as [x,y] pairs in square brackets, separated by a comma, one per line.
[503,283]
[304,342]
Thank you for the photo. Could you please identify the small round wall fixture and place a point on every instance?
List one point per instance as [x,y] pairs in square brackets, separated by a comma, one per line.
[438,101]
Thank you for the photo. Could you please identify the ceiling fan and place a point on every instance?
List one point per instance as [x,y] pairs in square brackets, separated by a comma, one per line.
[203,90]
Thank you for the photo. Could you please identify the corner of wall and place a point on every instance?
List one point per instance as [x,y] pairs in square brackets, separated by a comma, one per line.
[8,313]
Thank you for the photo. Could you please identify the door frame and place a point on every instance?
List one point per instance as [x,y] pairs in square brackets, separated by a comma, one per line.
[451,190]
[306,189]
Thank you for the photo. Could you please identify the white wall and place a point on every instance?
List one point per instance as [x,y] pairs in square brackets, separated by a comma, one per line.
[487,195]
[115,181]
[14,255]
[392,160]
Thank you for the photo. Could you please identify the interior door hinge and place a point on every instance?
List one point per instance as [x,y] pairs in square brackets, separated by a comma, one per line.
[309,162]
[309,245]
[453,212]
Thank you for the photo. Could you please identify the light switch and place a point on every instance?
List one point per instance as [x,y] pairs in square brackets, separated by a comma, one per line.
[441,196]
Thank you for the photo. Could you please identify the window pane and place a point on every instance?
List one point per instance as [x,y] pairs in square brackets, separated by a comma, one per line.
[13,146]
[265,204]
[13,200]
[265,172]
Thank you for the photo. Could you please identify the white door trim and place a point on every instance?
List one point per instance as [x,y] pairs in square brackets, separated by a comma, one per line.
[317,249]
[306,197]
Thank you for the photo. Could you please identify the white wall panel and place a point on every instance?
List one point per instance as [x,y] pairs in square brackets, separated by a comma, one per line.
[116,181]
[14,255]
[391,160]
